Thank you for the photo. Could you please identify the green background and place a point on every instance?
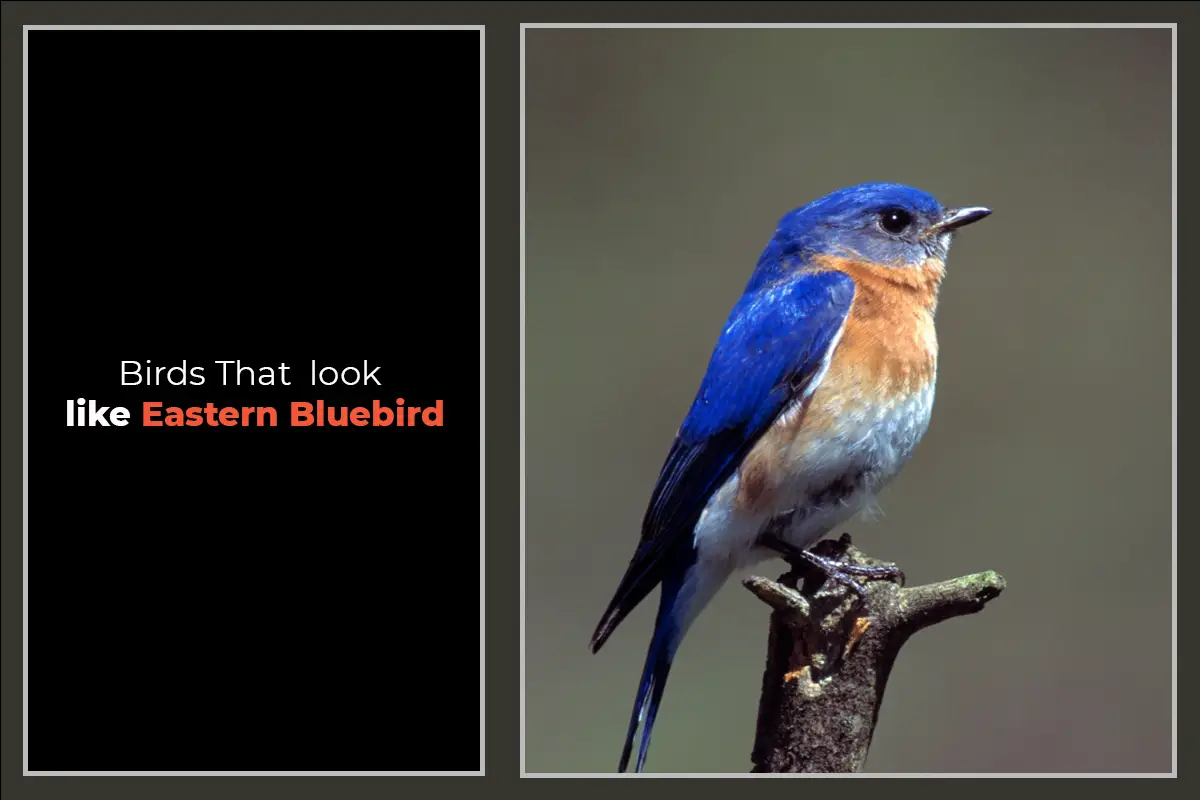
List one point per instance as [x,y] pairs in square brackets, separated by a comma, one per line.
[657,163]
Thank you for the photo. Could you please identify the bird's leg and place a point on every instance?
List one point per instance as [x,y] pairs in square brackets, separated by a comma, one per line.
[798,559]
[872,571]
[834,569]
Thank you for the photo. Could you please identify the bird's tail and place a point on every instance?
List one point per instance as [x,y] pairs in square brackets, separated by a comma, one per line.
[669,628]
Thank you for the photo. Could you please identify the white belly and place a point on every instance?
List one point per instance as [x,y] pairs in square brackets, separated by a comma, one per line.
[827,479]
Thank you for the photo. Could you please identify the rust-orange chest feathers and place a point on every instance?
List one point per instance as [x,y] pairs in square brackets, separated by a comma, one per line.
[873,404]
[888,346]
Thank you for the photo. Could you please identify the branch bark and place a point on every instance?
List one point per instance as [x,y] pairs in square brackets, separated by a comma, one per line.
[828,663]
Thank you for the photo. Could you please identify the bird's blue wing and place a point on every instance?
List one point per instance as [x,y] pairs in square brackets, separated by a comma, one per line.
[774,344]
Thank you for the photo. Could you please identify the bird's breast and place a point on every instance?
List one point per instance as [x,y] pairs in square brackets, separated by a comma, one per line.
[850,438]
[819,474]
[824,459]
[863,420]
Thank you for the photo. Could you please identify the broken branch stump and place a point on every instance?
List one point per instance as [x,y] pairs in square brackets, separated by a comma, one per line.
[828,663]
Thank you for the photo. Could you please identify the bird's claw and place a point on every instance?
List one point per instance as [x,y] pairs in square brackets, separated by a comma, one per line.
[845,574]
[836,569]
[843,569]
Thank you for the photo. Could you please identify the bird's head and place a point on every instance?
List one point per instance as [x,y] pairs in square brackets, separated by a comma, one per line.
[883,223]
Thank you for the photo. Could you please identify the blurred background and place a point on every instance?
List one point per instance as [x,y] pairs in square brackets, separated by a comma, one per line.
[657,163]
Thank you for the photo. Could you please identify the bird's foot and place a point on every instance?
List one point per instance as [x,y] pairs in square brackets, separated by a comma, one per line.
[843,572]
[836,569]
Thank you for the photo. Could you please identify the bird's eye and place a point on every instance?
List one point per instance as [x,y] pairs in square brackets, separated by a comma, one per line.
[895,220]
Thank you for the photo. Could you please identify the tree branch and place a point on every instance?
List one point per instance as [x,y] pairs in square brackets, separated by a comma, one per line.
[828,663]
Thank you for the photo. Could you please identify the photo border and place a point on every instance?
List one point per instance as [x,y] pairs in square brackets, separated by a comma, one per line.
[1173,26]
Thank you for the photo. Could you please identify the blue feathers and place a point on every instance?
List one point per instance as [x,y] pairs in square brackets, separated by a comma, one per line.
[777,339]
[774,342]
[659,655]
[842,223]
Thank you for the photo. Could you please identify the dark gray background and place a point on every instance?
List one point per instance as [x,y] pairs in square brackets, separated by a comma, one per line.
[657,163]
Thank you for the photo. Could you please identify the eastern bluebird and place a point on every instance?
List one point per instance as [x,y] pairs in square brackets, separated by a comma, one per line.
[819,389]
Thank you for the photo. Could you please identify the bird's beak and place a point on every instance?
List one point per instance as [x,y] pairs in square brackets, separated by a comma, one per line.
[955,218]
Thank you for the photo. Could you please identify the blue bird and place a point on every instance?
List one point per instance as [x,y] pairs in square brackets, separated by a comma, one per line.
[819,389]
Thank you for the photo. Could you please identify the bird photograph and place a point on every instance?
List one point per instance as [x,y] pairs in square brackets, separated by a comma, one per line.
[846,351]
